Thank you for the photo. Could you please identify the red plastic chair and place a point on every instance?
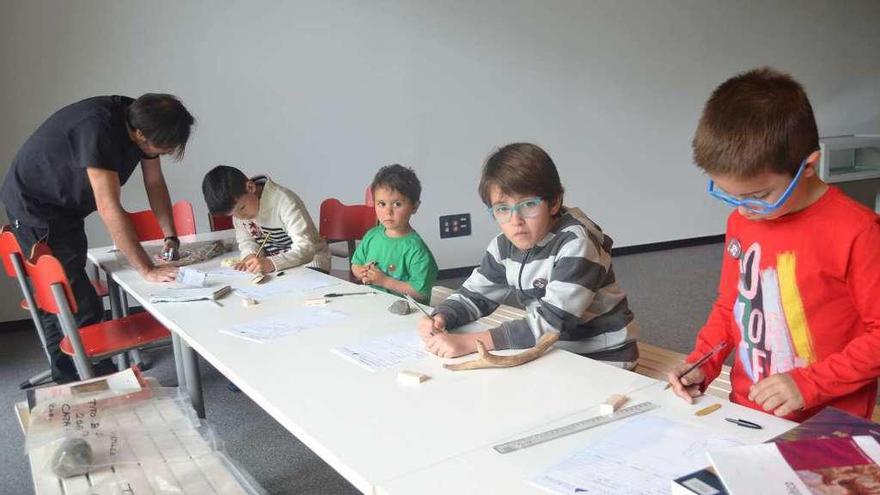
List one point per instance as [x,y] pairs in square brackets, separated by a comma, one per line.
[9,247]
[13,263]
[345,223]
[219,222]
[97,341]
[147,226]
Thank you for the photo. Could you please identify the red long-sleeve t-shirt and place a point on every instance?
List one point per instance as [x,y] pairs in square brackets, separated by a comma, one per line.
[800,294]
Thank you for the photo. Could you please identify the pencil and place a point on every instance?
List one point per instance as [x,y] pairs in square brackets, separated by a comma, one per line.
[412,301]
[712,352]
[262,244]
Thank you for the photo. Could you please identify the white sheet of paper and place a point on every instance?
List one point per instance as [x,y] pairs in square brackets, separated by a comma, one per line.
[183,294]
[227,271]
[384,352]
[191,277]
[289,323]
[639,457]
[298,280]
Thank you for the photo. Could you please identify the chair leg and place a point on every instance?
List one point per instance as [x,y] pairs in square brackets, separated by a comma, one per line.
[121,361]
[71,331]
[32,304]
[38,379]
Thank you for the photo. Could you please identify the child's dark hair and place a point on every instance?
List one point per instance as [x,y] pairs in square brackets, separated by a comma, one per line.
[521,168]
[398,178]
[222,187]
[163,120]
[757,121]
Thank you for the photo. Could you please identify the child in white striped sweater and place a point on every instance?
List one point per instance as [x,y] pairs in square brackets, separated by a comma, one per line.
[272,226]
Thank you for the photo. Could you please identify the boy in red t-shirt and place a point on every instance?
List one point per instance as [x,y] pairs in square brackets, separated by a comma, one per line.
[799,298]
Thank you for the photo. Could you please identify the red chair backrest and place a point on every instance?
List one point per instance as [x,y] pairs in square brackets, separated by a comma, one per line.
[219,222]
[147,228]
[45,270]
[341,222]
[8,245]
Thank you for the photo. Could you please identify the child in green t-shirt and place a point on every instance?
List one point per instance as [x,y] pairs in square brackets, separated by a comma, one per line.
[392,256]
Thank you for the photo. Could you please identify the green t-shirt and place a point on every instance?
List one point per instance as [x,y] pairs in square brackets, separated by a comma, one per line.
[406,258]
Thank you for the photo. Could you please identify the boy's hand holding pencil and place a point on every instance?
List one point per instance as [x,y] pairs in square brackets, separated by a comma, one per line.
[686,384]
[686,378]
[255,263]
[428,327]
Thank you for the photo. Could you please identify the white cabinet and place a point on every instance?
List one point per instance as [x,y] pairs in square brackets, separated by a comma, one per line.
[849,158]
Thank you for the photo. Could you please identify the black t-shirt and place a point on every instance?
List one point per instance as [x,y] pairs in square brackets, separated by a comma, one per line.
[47,182]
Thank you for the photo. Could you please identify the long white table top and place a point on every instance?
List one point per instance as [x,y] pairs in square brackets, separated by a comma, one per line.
[377,433]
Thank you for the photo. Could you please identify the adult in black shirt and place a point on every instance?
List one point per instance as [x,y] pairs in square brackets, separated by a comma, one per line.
[75,163]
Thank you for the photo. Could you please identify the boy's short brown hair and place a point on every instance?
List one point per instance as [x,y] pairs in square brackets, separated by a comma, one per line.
[757,121]
[398,178]
[521,168]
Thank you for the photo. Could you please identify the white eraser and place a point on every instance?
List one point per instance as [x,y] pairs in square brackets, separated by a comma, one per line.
[249,301]
[318,301]
[612,403]
[258,279]
[411,378]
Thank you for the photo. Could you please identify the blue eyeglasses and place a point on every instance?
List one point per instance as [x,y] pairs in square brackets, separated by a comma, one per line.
[527,208]
[758,206]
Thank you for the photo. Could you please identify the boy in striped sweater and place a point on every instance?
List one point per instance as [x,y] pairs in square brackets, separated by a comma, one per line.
[556,261]
[264,211]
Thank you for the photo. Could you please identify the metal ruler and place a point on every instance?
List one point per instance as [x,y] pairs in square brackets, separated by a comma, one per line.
[546,436]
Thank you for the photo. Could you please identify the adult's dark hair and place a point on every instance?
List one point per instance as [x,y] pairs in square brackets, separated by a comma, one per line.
[222,187]
[398,178]
[521,168]
[757,121]
[163,120]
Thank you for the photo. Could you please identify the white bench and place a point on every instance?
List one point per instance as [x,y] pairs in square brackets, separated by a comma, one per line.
[195,467]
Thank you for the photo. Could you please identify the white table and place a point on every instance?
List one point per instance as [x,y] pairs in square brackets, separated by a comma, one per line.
[394,439]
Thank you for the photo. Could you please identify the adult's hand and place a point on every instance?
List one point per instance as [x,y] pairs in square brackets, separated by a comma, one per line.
[161,274]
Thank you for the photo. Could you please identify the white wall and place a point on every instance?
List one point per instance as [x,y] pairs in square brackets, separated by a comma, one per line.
[320,94]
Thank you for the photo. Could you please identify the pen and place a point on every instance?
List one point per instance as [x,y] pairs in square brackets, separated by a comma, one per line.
[340,294]
[700,361]
[744,423]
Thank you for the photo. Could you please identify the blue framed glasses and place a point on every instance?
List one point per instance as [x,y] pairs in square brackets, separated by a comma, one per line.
[758,206]
[527,208]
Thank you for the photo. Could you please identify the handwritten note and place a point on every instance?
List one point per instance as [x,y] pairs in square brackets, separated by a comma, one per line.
[290,323]
[384,352]
[640,457]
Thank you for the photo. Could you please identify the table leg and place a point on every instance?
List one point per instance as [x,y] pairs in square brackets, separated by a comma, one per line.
[178,359]
[193,378]
[115,297]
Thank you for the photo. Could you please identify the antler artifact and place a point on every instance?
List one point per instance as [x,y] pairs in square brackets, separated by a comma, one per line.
[489,360]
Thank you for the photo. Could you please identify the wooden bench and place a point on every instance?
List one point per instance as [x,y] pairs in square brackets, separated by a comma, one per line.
[653,361]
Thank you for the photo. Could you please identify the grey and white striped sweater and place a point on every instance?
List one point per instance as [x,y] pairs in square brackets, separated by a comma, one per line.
[566,282]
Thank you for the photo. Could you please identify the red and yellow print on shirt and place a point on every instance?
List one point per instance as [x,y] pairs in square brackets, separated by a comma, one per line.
[769,313]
